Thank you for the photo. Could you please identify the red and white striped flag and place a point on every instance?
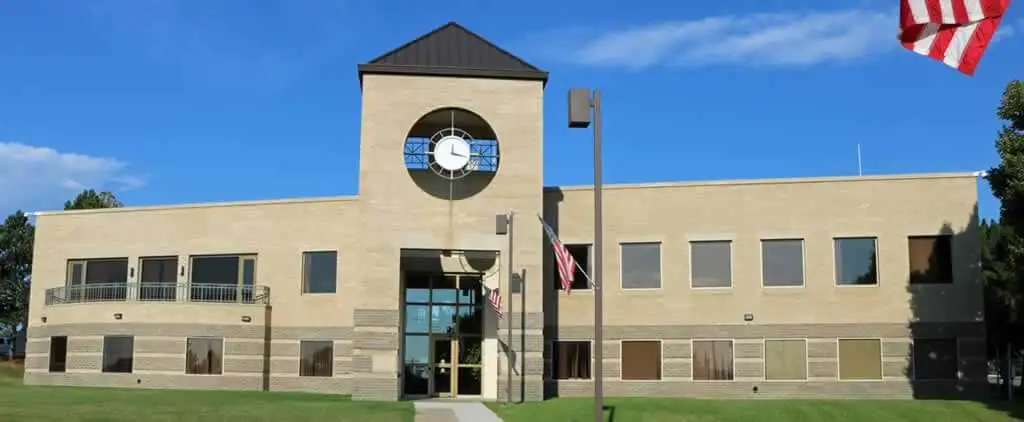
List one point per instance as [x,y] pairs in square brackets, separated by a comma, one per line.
[563,259]
[494,298]
[956,32]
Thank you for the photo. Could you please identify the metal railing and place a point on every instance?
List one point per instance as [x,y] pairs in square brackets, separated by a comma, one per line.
[159,292]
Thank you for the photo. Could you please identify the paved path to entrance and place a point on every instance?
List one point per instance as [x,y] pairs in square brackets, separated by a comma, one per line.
[453,411]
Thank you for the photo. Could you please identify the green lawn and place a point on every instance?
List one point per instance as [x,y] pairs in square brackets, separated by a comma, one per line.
[21,403]
[691,410]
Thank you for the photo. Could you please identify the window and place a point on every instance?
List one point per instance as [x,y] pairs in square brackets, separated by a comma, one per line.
[711,264]
[856,261]
[223,278]
[158,278]
[580,253]
[316,358]
[117,353]
[641,360]
[571,360]
[931,259]
[935,359]
[98,279]
[712,360]
[58,353]
[782,262]
[641,265]
[860,359]
[785,359]
[204,356]
[319,272]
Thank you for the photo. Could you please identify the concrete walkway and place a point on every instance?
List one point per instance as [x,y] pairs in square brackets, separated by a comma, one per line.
[453,411]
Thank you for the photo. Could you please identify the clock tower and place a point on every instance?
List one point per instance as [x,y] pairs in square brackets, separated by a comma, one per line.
[451,136]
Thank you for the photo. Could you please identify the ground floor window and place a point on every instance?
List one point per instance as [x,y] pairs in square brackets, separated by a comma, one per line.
[860,359]
[571,360]
[204,356]
[117,353]
[935,359]
[316,358]
[641,360]
[785,359]
[713,360]
[58,353]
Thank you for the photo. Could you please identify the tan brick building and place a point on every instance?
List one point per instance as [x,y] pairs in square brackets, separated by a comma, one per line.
[841,286]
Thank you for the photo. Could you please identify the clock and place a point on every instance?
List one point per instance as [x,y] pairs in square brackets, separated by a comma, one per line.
[452,153]
[453,144]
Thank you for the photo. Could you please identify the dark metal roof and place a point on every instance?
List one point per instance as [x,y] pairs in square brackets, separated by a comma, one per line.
[452,50]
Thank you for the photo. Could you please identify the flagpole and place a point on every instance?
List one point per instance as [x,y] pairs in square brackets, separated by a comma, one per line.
[508,313]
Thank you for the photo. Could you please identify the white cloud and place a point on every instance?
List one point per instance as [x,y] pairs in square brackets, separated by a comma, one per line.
[775,39]
[33,178]
[1005,31]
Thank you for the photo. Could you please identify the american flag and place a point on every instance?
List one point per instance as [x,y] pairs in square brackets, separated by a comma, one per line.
[956,32]
[566,263]
[494,298]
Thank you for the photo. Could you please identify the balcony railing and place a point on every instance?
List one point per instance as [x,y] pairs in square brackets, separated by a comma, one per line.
[159,292]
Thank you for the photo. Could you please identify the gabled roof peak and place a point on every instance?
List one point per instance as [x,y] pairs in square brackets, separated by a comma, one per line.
[454,51]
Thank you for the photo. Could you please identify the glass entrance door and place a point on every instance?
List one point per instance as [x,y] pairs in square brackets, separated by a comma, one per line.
[442,335]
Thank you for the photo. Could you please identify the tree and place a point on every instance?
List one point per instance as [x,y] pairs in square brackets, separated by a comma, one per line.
[90,199]
[16,238]
[1003,251]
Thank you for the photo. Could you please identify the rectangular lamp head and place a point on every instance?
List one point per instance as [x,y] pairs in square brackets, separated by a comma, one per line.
[579,107]
[501,224]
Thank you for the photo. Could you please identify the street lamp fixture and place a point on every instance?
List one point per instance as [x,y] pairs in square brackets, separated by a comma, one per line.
[581,102]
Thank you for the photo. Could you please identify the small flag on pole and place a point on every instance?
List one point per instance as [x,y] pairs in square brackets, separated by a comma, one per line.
[956,32]
[493,298]
[563,259]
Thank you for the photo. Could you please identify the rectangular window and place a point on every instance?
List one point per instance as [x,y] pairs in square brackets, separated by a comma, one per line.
[223,278]
[785,359]
[320,272]
[641,265]
[571,360]
[158,278]
[931,259]
[58,353]
[935,359]
[317,358]
[117,353]
[641,360]
[580,253]
[860,359]
[204,356]
[97,280]
[711,264]
[782,262]
[856,261]
[713,360]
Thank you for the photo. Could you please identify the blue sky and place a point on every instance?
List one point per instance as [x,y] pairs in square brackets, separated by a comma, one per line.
[188,101]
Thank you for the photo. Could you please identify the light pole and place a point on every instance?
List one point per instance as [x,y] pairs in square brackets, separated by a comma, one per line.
[504,226]
[580,104]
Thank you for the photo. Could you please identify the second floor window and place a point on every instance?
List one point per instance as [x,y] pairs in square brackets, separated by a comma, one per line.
[320,272]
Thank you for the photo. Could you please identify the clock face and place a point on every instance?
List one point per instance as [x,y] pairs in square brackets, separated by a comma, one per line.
[452,153]
[457,146]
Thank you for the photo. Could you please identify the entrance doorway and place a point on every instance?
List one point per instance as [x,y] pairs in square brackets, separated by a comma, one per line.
[442,339]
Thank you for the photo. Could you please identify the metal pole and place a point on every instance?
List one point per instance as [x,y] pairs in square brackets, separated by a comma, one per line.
[598,267]
[508,313]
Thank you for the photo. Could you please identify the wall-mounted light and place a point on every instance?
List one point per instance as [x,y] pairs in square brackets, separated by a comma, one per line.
[748,317]
[246,318]
[118,316]
[182,273]
[131,272]
[44,319]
